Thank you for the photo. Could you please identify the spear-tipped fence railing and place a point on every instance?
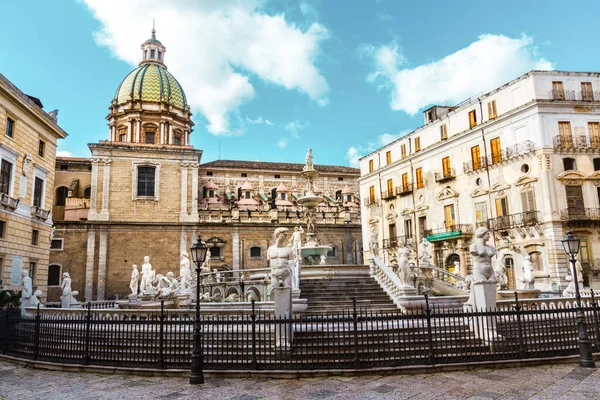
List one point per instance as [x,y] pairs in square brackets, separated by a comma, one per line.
[349,338]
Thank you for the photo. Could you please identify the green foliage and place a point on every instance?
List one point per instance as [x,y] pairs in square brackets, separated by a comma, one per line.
[9,299]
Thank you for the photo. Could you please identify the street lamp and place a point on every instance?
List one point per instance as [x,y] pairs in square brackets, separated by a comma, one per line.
[198,251]
[571,245]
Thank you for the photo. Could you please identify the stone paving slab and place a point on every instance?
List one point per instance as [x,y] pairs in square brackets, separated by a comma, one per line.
[558,381]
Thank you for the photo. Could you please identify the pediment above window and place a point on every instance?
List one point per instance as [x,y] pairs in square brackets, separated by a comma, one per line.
[446,193]
[479,192]
[571,178]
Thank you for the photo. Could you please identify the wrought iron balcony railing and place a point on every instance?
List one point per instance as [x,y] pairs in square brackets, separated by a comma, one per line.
[475,165]
[505,222]
[388,195]
[370,201]
[462,229]
[580,214]
[575,95]
[510,152]
[575,143]
[445,176]
[404,189]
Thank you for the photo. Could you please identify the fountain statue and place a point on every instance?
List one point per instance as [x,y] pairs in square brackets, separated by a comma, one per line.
[148,274]
[134,282]
[26,293]
[280,257]
[311,252]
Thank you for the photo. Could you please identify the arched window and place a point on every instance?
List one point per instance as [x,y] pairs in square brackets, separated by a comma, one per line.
[569,164]
[536,260]
[54,275]
[255,251]
[87,192]
[61,195]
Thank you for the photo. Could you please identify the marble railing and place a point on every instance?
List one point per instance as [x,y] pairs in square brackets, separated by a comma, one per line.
[544,304]
[442,275]
[326,218]
[387,279]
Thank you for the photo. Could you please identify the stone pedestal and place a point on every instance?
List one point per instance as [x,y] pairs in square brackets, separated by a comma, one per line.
[133,298]
[483,295]
[283,310]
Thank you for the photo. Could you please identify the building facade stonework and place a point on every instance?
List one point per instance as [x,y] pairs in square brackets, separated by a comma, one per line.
[28,137]
[145,192]
[522,160]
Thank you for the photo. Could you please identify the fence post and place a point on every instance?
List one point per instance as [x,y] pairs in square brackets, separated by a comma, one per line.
[596,326]
[355,319]
[253,316]
[6,332]
[429,332]
[522,351]
[36,336]
[161,359]
[88,319]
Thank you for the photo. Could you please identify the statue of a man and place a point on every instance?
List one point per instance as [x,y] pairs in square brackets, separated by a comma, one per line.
[27,292]
[147,277]
[374,241]
[185,272]
[528,278]
[280,258]
[482,257]
[296,239]
[65,299]
[135,277]
[309,157]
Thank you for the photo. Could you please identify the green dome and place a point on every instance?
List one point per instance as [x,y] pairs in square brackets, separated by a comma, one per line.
[151,82]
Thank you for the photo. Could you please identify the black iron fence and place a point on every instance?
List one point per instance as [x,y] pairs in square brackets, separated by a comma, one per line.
[351,338]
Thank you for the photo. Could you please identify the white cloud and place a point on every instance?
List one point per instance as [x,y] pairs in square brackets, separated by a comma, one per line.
[63,153]
[282,143]
[353,154]
[259,121]
[384,17]
[482,66]
[214,47]
[294,127]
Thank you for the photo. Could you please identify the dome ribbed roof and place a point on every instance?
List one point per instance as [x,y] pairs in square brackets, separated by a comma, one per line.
[151,82]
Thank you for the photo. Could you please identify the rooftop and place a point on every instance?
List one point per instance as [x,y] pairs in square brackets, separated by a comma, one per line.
[275,166]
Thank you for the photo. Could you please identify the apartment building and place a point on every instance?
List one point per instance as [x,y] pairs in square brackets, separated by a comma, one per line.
[522,160]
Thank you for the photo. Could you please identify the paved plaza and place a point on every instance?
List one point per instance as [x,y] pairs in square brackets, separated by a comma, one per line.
[560,381]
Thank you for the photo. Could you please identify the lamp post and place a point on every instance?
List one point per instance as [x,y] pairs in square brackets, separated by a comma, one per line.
[571,246]
[198,251]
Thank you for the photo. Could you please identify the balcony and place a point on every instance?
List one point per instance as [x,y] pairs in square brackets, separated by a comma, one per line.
[511,152]
[390,243]
[388,195]
[480,163]
[9,202]
[578,143]
[506,222]
[39,212]
[575,95]
[445,176]
[449,231]
[404,190]
[370,201]
[581,215]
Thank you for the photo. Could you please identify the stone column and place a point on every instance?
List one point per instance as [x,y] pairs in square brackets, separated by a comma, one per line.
[195,191]
[101,264]
[138,131]
[170,133]
[184,190]
[104,215]
[235,247]
[162,132]
[94,189]
[130,131]
[89,265]
[113,133]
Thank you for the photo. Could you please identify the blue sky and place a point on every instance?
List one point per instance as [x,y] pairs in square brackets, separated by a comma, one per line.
[268,79]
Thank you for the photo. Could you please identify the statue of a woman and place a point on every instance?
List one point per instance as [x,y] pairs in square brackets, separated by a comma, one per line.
[27,291]
[65,299]
[404,272]
[528,277]
[185,272]
[482,253]
[374,241]
[500,271]
[309,157]
[133,283]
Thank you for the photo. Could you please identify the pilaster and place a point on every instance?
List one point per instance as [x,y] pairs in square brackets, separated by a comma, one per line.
[89,265]
[102,248]
[104,214]
[94,189]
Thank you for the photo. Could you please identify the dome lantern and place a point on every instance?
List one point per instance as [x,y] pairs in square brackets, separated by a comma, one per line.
[153,51]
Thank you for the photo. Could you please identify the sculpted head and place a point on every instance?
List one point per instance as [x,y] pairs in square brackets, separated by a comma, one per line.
[146,259]
[170,274]
[279,234]
[134,266]
[482,233]
[24,273]
[66,275]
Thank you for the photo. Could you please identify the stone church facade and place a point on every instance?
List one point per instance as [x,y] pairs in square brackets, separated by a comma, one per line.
[145,192]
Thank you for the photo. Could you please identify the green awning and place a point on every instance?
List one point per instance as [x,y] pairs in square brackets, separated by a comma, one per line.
[295,196]
[264,197]
[444,236]
[228,195]
[330,199]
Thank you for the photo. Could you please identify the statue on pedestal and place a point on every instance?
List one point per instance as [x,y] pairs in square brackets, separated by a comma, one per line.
[309,163]
[500,271]
[65,299]
[280,257]
[404,272]
[374,241]
[135,277]
[27,291]
[185,272]
[296,239]
[35,299]
[528,278]
[482,253]
[147,278]
[425,250]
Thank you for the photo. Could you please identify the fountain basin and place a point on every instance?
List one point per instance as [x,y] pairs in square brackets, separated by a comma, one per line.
[310,200]
[311,255]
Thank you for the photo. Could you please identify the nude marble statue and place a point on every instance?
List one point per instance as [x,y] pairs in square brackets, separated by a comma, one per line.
[279,257]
